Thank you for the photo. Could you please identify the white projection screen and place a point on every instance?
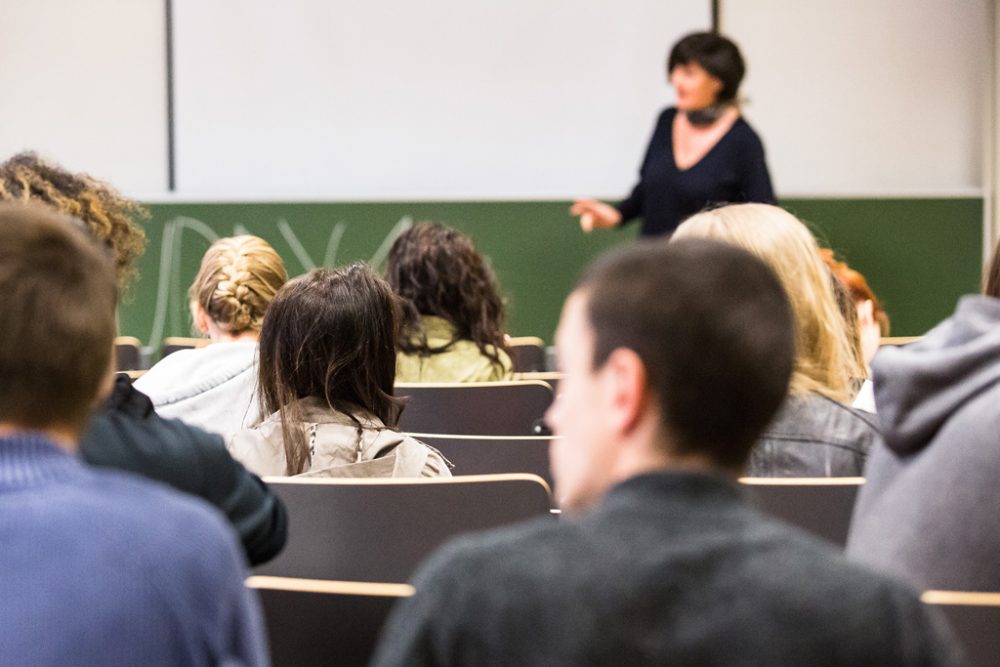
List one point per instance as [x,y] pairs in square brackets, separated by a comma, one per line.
[446,99]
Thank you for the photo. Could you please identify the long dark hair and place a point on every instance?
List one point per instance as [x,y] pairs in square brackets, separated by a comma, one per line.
[329,334]
[436,270]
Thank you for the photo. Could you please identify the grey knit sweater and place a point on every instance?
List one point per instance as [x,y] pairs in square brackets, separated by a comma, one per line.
[672,568]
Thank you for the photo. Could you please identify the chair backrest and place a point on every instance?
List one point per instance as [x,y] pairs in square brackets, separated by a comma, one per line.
[821,505]
[551,378]
[173,344]
[493,454]
[380,529]
[128,353]
[527,353]
[898,340]
[316,622]
[974,619]
[475,408]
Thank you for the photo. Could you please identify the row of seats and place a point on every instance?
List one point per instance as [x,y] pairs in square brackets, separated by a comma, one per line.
[353,542]
[527,353]
[379,530]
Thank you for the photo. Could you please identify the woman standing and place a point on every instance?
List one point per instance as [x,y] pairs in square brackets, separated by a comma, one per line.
[702,152]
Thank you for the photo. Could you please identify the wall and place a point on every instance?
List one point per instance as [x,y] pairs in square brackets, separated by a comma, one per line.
[864,98]
[84,83]
[392,99]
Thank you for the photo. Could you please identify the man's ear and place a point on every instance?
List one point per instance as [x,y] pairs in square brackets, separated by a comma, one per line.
[624,381]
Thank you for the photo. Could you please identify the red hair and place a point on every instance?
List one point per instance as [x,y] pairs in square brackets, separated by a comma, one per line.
[856,286]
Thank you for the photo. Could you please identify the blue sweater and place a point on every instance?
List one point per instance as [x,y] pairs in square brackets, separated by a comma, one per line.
[99,568]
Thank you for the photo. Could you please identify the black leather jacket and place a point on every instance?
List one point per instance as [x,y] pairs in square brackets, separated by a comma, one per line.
[814,436]
[127,434]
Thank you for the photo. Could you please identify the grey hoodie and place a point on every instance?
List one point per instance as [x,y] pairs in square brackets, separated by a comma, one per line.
[930,507]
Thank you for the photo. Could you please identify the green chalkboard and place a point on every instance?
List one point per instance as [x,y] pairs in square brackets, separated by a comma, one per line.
[919,255]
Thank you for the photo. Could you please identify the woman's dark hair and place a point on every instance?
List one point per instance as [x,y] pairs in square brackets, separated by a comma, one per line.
[331,335]
[991,282]
[436,270]
[717,55]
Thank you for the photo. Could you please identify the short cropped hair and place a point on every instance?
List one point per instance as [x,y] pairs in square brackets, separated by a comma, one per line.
[713,328]
[58,292]
[717,55]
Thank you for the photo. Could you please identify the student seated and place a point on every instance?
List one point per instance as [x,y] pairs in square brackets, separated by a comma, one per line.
[98,567]
[816,433]
[452,327]
[125,432]
[658,558]
[327,361]
[213,387]
[871,322]
[928,509]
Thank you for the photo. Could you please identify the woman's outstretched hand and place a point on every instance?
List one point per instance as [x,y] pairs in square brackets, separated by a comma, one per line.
[595,214]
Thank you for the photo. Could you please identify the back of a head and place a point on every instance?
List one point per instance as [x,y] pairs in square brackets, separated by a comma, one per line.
[857,287]
[57,305]
[437,270]
[713,329]
[109,216]
[825,361]
[238,278]
[330,335]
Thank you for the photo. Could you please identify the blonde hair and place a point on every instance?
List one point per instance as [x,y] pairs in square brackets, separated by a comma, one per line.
[238,278]
[825,362]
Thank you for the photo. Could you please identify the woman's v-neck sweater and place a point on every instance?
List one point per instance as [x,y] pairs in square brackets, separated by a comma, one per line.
[732,171]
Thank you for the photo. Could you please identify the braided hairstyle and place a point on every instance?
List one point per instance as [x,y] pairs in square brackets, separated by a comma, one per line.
[437,270]
[109,216]
[239,277]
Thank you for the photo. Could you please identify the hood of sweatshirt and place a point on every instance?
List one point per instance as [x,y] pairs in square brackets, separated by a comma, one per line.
[919,386]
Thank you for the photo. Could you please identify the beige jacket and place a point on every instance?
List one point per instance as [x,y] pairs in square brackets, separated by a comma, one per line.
[336,448]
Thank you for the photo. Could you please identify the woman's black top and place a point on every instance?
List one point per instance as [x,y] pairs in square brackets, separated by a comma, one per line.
[732,171]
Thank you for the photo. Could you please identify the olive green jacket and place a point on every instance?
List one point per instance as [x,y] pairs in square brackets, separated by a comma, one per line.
[461,362]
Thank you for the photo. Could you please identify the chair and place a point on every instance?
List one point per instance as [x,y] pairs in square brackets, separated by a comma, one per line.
[173,344]
[128,353]
[821,505]
[475,408]
[527,353]
[316,622]
[974,619]
[551,378]
[380,529]
[492,454]
[898,340]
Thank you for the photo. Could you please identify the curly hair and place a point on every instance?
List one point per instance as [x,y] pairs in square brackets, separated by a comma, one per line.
[109,216]
[239,277]
[436,270]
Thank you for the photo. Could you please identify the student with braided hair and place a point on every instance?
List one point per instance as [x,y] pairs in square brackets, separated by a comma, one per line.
[213,386]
